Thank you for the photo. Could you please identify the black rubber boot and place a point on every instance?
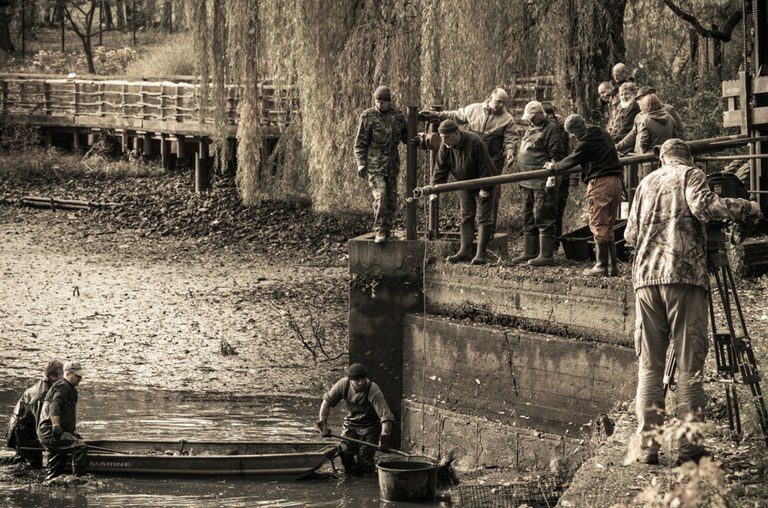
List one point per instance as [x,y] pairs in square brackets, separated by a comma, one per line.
[602,252]
[483,238]
[530,249]
[465,251]
[613,268]
[546,251]
[57,461]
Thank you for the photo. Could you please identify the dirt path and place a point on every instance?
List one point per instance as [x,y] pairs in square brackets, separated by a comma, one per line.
[161,313]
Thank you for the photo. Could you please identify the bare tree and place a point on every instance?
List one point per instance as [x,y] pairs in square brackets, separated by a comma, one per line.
[721,31]
[80,16]
[7,12]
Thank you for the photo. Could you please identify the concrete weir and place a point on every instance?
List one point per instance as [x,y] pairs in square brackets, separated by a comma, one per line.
[494,365]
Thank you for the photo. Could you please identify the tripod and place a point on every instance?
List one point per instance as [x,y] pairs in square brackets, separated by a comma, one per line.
[733,352]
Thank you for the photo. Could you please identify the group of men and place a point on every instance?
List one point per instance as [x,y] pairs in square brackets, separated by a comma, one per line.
[666,224]
[46,418]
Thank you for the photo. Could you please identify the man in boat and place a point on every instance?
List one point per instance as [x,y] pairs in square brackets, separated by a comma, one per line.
[58,419]
[22,429]
[369,418]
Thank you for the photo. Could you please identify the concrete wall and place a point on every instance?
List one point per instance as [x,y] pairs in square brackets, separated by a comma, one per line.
[546,300]
[521,379]
[385,285]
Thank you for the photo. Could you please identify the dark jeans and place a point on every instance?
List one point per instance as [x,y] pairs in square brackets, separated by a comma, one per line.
[540,211]
[357,458]
[562,201]
[472,205]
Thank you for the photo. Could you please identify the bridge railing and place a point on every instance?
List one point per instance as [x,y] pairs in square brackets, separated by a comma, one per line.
[157,106]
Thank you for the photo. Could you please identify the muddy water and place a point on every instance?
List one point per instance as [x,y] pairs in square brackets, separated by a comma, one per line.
[106,413]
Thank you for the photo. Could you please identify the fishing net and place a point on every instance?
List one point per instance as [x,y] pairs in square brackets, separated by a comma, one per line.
[537,493]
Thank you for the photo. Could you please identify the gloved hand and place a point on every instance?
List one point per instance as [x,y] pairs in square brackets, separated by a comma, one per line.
[551,181]
[361,171]
[432,197]
[416,141]
[429,116]
[484,193]
[56,431]
[384,441]
[548,166]
[322,427]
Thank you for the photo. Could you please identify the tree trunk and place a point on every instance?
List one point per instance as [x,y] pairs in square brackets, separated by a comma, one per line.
[120,8]
[109,22]
[6,18]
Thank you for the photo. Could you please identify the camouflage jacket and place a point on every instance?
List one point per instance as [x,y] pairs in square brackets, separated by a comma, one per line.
[378,136]
[496,129]
[666,225]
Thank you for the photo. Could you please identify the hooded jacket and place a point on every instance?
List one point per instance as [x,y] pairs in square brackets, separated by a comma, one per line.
[650,129]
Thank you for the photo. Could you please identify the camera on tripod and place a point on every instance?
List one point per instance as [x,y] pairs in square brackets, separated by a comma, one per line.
[726,185]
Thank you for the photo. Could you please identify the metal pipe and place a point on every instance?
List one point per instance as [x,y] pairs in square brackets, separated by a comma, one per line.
[732,157]
[410,180]
[487,181]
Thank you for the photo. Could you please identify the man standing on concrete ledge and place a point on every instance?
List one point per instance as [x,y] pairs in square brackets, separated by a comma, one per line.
[667,229]
[58,418]
[464,155]
[369,418]
[601,169]
[381,130]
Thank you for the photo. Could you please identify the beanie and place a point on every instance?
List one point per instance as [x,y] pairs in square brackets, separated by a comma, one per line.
[382,93]
[356,371]
[575,123]
[447,127]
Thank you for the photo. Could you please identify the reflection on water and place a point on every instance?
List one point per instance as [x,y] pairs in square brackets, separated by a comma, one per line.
[104,413]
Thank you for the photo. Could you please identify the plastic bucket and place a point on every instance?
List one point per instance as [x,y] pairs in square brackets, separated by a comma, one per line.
[407,480]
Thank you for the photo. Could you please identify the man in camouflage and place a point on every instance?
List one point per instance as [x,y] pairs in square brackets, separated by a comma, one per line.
[381,129]
[666,228]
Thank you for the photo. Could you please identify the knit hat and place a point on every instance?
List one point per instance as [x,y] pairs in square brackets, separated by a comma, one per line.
[575,123]
[356,371]
[447,127]
[531,109]
[673,145]
[382,93]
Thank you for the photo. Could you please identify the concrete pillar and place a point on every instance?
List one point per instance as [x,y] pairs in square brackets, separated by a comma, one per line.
[386,282]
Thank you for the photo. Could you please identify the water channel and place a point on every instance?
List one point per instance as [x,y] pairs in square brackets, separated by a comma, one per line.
[105,413]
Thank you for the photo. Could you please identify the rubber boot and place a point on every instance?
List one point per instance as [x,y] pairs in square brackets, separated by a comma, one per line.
[483,237]
[613,269]
[530,249]
[603,250]
[57,461]
[546,251]
[465,252]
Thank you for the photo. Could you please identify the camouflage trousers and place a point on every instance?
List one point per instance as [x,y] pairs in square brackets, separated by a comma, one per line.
[679,312]
[384,189]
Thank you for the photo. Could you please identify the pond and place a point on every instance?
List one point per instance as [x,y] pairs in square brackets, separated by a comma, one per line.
[105,413]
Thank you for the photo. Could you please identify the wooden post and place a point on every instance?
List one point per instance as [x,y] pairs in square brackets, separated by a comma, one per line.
[165,152]
[47,98]
[202,182]
[5,97]
[146,144]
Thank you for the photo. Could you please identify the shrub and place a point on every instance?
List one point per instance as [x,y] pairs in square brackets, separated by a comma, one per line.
[172,57]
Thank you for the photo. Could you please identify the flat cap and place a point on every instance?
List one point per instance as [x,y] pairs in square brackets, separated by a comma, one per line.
[447,127]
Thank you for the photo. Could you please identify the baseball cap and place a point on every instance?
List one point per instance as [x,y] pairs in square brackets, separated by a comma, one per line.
[531,109]
[75,368]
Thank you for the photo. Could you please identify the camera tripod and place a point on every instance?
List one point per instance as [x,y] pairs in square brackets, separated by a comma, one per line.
[733,351]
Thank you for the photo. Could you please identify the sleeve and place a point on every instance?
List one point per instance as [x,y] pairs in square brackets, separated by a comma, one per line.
[442,165]
[576,158]
[376,398]
[626,122]
[458,116]
[511,139]
[336,393]
[362,141]
[555,148]
[627,142]
[630,231]
[58,399]
[644,137]
[707,206]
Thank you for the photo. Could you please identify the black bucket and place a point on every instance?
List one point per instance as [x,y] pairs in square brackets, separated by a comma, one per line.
[407,480]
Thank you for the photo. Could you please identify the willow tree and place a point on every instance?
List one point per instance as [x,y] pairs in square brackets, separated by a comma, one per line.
[334,53]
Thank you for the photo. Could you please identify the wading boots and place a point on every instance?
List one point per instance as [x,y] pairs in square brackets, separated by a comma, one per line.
[530,249]
[465,251]
[605,261]
[546,251]
[483,237]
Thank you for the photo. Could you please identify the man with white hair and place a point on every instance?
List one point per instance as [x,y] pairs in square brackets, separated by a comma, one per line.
[667,229]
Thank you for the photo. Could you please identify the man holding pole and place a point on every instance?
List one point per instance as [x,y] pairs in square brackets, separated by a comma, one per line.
[369,418]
